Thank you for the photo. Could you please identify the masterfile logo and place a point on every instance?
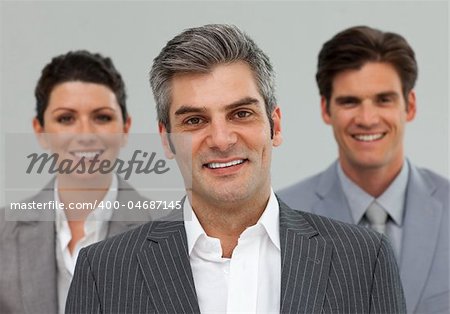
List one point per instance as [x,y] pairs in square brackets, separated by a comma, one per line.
[140,162]
[79,164]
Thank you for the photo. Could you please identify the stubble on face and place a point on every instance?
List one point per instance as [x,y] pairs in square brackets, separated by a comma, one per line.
[231,153]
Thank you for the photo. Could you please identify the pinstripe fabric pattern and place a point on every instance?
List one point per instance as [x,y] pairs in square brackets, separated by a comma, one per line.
[327,267]
[424,261]
[28,269]
[333,267]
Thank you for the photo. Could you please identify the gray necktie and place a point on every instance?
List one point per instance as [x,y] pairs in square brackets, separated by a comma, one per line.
[377,216]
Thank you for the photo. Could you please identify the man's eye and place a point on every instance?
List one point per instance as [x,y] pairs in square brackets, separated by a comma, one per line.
[243,114]
[347,102]
[385,100]
[193,121]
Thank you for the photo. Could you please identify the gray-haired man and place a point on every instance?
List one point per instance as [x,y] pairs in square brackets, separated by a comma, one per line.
[243,250]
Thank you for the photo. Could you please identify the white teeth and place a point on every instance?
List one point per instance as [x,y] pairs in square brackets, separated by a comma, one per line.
[368,137]
[88,155]
[216,165]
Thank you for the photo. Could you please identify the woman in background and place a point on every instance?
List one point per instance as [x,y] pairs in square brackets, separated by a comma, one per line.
[81,116]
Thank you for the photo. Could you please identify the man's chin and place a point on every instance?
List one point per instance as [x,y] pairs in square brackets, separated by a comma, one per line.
[368,163]
[224,197]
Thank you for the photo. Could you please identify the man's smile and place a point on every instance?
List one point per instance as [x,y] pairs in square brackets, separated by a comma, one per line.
[219,165]
[369,137]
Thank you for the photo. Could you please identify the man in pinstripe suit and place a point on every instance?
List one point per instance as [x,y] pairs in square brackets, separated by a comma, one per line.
[242,250]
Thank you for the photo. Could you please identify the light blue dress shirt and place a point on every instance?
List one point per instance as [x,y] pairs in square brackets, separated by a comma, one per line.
[392,200]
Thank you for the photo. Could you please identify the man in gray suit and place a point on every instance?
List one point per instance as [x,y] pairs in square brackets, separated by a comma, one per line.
[366,79]
[242,250]
[78,92]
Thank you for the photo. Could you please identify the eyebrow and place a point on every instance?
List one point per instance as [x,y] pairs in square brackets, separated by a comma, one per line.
[65,109]
[242,102]
[74,110]
[105,108]
[185,109]
[387,94]
[347,98]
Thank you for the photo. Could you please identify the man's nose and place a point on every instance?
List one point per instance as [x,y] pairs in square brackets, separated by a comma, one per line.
[367,115]
[221,135]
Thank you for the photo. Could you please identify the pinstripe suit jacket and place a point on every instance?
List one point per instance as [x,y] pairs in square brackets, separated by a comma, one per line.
[327,267]
[28,270]
[424,263]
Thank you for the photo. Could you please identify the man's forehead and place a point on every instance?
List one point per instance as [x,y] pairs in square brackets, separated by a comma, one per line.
[371,79]
[224,86]
[246,101]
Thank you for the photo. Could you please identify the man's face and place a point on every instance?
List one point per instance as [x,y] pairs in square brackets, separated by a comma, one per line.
[83,120]
[368,114]
[225,116]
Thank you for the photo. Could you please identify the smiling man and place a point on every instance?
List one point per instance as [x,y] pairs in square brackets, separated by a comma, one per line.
[243,250]
[366,79]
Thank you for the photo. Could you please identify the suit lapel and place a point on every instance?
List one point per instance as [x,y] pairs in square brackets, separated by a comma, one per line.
[420,233]
[305,260]
[166,269]
[305,263]
[332,202]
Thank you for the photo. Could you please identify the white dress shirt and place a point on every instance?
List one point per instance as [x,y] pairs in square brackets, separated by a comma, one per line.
[95,229]
[250,281]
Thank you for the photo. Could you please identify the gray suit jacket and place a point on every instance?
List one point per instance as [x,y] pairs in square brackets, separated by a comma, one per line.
[326,267]
[28,260]
[424,264]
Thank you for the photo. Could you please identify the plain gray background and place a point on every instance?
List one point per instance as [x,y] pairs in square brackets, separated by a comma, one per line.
[291,33]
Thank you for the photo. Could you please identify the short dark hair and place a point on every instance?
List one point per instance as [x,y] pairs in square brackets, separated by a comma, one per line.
[198,50]
[82,66]
[355,46]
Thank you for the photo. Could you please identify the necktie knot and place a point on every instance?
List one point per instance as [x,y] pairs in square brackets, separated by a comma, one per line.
[377,216]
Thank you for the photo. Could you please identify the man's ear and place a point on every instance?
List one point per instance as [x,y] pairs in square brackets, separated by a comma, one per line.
[165,140]
[39,131]
[324,110]
[411,106]
[276,118]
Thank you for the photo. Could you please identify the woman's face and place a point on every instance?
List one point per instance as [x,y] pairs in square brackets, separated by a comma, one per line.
[82,121]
